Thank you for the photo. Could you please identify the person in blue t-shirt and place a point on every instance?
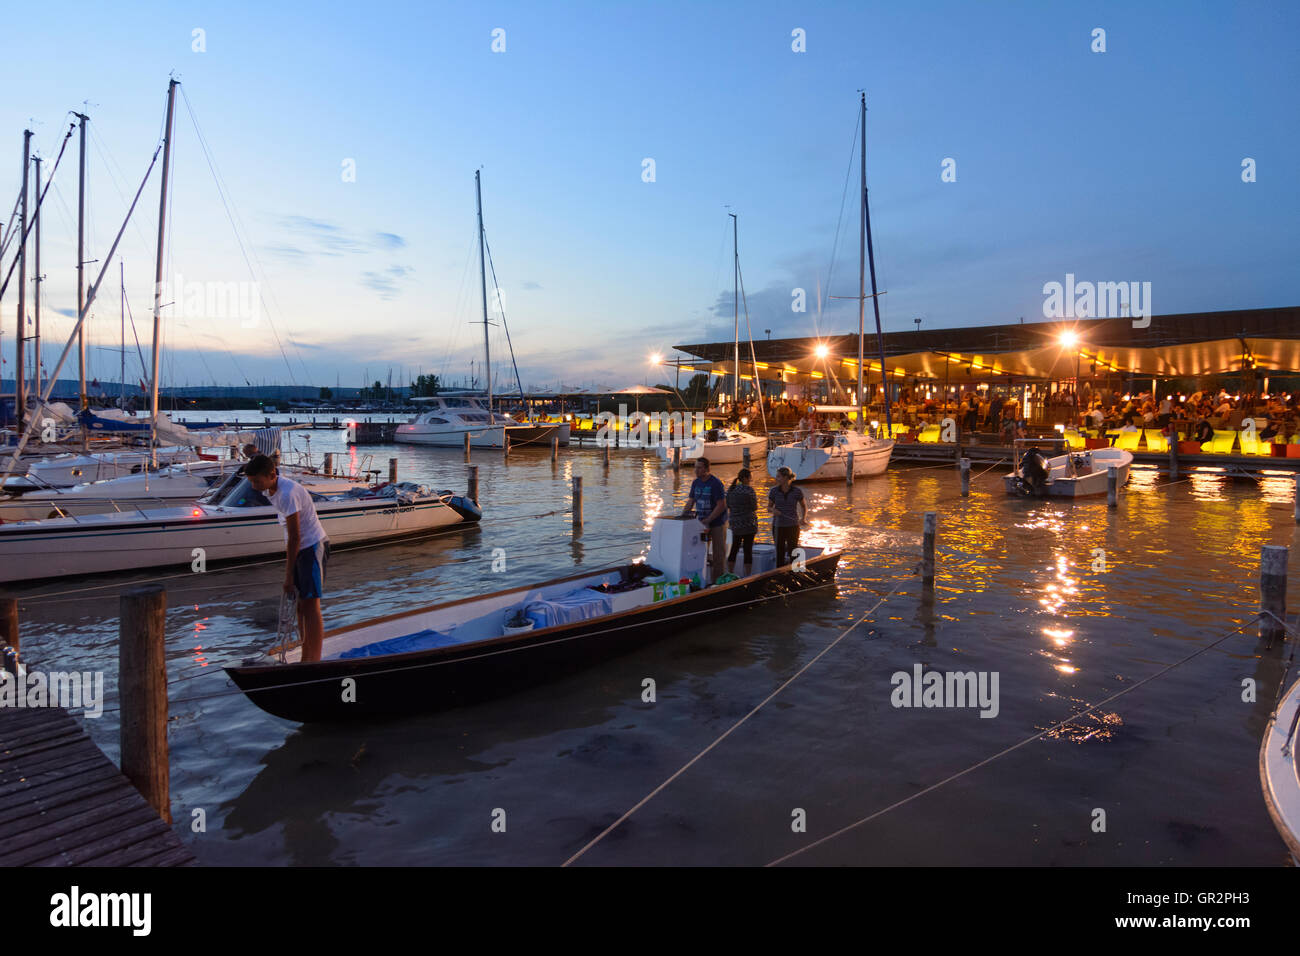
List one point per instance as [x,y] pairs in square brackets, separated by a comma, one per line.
[709,502]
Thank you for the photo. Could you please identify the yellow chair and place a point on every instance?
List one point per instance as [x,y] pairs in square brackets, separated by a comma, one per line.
[1222,442]
[929,434]
[1250,443]
[1128,440]
[1156,440]
[899,430]
[1074,439]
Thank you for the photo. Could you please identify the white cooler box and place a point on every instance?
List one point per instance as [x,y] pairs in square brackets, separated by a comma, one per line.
[676,548]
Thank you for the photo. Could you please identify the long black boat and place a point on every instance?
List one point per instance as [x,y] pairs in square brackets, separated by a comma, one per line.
[459,652]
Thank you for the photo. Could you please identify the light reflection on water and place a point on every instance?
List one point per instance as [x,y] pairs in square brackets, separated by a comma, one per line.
[1022,590]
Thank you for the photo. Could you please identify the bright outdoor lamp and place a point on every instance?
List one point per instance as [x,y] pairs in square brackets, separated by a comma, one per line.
[822,351]
[1069,339]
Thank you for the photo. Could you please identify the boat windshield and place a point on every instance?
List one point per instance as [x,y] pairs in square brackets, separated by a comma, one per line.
[214,494]
[239,494]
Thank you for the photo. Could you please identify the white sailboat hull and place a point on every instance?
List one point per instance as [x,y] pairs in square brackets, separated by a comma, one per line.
[101,543]
[730,450]
[870,457]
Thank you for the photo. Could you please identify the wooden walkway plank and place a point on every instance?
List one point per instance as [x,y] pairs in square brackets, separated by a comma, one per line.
[64,803]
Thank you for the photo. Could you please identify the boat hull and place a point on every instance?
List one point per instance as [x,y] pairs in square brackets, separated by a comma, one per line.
[829,464]
[105,543]
[447,677]
[719,452]
[484,436]
[1078,486]
[1278,770]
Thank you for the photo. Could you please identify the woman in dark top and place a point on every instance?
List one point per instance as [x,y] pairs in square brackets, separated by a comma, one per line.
[742,504]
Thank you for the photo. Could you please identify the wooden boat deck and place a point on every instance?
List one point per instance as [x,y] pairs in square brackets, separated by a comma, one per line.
[65,804]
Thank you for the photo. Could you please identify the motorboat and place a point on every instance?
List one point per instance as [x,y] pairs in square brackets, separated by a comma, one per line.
[174,485]
[1076,474]
[1279,773]
[824,456]
[459,652]
[719,445]
[448,419]
[70,468]
[232,522]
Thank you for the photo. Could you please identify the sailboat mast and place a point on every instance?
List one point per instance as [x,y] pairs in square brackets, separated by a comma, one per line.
[36,360]
[121,272]
[81,256]
[735,296]
[482,275]
[20,373]
[862,270]
[158,268]
[875,297]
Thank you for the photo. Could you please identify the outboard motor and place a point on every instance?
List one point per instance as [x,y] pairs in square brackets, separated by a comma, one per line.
[1033,475]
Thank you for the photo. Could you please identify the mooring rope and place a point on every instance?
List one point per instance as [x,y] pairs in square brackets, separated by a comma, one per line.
[686,766]
[1016,746]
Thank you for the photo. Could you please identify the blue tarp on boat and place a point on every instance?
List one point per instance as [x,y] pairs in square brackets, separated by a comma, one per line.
[419,641]
[580,605]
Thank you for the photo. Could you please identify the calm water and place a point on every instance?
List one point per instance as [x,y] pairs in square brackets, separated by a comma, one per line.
[1173,764]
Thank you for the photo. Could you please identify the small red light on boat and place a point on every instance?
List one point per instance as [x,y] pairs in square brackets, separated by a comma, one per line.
[197,513]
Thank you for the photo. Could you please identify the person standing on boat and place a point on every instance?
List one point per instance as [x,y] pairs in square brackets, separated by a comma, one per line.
[789,512]
[709,501]
[306,548]
[742,512]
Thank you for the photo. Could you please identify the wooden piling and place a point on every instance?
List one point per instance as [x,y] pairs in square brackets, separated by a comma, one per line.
[329,463]
[848,469]
[467,446]
[744,454]
[1297,498]
[392,471]
[607,454]
[473,483]
[577,500]
[677,464]
[555,448]
[505,446]
[9,623]
[927,554]
[142,685]
[1173,456]
[1272,591]
[1112,486]
[964,466]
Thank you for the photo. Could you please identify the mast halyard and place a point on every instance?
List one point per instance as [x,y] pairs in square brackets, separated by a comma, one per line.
[875,297]
[158,269]
[36,279]
[20,373]
[482,275]
[735,295]
[121,271]
[81,256]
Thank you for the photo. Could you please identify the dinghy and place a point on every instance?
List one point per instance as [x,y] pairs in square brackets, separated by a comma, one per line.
[1072,475]
[446,655]
[231,522]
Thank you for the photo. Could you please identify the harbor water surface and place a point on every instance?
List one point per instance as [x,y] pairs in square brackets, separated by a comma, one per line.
[1067,603]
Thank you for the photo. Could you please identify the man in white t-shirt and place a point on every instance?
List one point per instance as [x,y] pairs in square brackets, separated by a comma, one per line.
[306,548]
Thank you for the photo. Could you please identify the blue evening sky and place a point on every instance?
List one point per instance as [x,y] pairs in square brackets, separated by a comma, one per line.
[1115,166]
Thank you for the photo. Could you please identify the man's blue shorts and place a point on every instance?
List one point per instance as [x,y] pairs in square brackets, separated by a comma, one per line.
[309,570]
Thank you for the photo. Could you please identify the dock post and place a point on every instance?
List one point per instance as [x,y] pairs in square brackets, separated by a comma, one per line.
[577,500]
[329,463]
[607,452]
[744,454]
[677,462]
[392,471]
[505,445]
[555,448]
[848,469]
[927,555]
[9,635]
[1173,456]
[473,484]
[142,683]
[964,465]
[1112,486]
[1272,591]
[1297,498]
[467,446]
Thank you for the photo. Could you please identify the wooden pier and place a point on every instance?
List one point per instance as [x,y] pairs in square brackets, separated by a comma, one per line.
[65,804]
